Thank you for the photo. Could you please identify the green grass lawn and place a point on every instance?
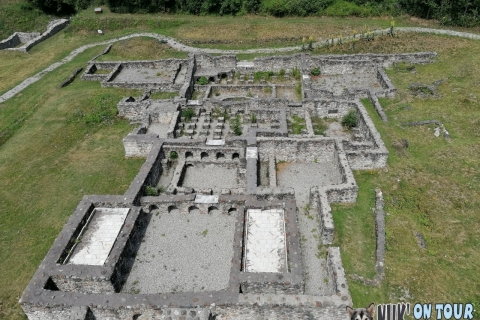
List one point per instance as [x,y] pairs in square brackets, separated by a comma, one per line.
[51,154]
[432,188]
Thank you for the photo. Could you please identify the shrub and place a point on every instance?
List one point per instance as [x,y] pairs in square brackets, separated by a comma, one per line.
[151,191]
[237,125]
[202,80]
[188,114]
[253,118]
[173,155]
[315,71]
[350,120]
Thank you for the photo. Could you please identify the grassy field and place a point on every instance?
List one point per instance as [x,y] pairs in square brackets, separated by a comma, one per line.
[431,188]
[54,150]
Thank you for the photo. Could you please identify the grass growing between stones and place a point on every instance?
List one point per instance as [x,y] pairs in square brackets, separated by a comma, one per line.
[52,159]
[163,95]
[431,188]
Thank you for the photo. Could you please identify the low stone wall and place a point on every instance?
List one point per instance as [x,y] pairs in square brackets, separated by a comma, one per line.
[373,158]
[186,91]
[377,106]
[70,78]
[319,203]
[332,108]
[196,151]
[31,39]
[10,42]
[385,60]
[139,145]
[291,149]
[336,271]
[275,64]
[149,173]
[206,61]
[53,27]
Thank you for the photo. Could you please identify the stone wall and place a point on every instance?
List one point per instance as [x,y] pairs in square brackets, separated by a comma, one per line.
[10,42]
[377,106]
[149,173]
[366,158]
[336,271]
[206,61]
[187,88]
[332,108]
[31,39]
[291,149]
[319,203]
[138,145]
[275,64]
[384,60]
[133,109]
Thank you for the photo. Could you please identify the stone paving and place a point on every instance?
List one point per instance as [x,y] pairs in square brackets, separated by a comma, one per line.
[98,239]
[265,244]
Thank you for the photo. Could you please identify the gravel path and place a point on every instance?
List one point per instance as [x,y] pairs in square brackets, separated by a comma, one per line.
[301,177]
[183,252]
[179,46]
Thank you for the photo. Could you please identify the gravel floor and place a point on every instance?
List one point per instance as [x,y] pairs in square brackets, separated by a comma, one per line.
[184,253]
[335,129]
[303,176]
[159,128]
[144,75]
[317,280]
[336,83]
[211,176]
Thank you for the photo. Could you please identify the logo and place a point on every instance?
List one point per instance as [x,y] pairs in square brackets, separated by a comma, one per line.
[424,311]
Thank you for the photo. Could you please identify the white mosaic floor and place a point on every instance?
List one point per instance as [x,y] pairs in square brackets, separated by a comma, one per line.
[265,244]
[98,239]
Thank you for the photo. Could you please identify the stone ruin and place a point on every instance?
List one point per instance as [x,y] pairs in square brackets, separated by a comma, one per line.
[227,214]
[24,41]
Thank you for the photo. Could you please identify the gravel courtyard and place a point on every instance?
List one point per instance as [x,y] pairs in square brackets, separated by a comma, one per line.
[183,252]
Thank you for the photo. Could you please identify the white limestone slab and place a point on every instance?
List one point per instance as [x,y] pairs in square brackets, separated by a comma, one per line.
[215,142]
[252,153]
[245,64]
[306,77]
[98,237]
[202,198]
[194,103]
[265,241]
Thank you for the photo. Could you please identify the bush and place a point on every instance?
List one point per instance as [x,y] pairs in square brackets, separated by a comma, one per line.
[237,125]
[350,120]
[315,71]
[342,8]
[188,114]
[202,81]
[153,191]
[173,155]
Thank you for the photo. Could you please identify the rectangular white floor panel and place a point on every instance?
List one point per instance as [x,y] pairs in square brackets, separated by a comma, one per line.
[100,234]
[265,241]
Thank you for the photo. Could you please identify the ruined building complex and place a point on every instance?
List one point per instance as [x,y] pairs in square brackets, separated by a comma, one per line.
[229,217]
